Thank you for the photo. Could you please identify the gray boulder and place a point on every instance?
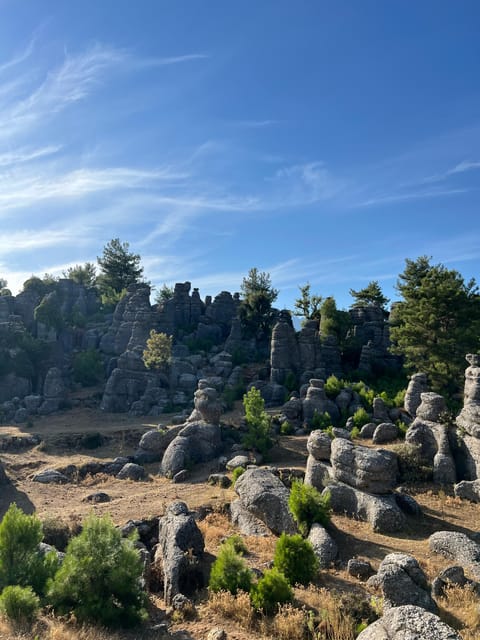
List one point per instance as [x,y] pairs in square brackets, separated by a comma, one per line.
[401,581]
[316,400]
[382,512]
[323,544]
[469,419]
[374,471]
[385,432]
[361,569]
[132,471]
[450,576]
[468,490]
[380,410]
[318,474]
[266,497]
[207,404]
[196,442]
[319,445]
[247,523]
[368,430]
[458,547]
[178,538]
[409,623]
[50,476]
[431,407]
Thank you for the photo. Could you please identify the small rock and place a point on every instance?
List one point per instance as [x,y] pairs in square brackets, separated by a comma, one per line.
[385,432]
[180,476]
[368,430]
[97,497]
[237,461]
[217,634]
[360,569]
[131,471]
[219,480]
[50,476]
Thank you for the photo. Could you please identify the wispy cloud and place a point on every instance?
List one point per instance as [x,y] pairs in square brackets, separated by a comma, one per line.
[419,195]
[19,58]
[308,183]
[163,62]
[9,158]
[256,124]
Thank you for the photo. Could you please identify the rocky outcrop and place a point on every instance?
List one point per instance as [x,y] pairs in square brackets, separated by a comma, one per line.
[469,420]
[284,353]
[180,542]
[431,436]
[315,401]
[264,495]
[197,442]
[416,386]
[409,623]
[53,392]
[468,490]
[401,581]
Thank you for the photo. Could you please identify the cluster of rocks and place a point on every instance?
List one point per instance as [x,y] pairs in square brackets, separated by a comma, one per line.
[468,422]
[122,468]
[360,481]
[52,399]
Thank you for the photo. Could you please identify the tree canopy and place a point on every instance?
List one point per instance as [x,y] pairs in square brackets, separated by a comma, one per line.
[158,351]
[3,288]
[308,304]
[436,323]
[370,295]
[85,274]
[119,267]
[256,310]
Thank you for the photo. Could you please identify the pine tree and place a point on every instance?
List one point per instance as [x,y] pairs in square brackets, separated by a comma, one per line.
[118,267]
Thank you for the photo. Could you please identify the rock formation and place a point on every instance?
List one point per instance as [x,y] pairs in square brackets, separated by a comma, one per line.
[409,623]
[468,421]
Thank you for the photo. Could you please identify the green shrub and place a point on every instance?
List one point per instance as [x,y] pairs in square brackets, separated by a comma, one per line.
[320,420]
[236,473]
[307,506]
[20,604]
[366,394]
[88,368]
[237,543]
[355,432]
[333,386]
[21,562]
[360,417]
[229,571]
[258,422]
[399,399]
[296,559]
[286,429]
[99,579]
[412,467]
[291,382]
[270,591]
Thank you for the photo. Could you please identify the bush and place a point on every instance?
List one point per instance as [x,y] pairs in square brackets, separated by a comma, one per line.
[237,544]
[286,428]
[88,368]
[258,422]
[19,604]
[236,473]
[21,562]
[320,420]
[333,386]
[158,352]
[99,579]
[270,591]
[296,559]
[360,417]
[307,506]
[229,571]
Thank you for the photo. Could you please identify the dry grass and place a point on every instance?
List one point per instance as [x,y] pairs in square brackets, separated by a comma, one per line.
[215,528]
[331,621]
[237,608]
[289,623]
[460,609]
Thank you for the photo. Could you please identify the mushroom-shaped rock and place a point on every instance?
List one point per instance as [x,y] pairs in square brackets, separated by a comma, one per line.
[431,407]
[266,497]
[319,445]
[416,386]
[207,404]
[409,623]
[178,536]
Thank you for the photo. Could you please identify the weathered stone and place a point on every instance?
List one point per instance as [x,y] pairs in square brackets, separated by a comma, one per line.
[32,403]
[361,569]
[196,442]
[468,490]
[469,420]
[368,430]
[318,474]
[381,512]
[315,400]
[53,392]
[181,476]
[446,578]
[50,476]
[237,461]
[385,432]
[247,523]
[178,536]
[408,623]
[132,471]
[98,496]
[338,432]
[323,544]
[319,445]
[266,497]
[431,407]
[401,581]
[207,404]
[458,547]
[284,353]
[219,480]
[366,469]
[380,411]
[416,386]
[217,633]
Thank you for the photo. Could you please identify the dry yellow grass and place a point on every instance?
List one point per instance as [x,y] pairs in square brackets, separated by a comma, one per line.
[289,623]
[460,609]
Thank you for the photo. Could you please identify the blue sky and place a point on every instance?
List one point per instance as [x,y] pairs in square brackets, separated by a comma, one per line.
[319,141]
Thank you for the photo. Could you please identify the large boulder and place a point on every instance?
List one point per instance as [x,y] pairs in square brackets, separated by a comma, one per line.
[468,490]
[401,581]
[374,471]
[469,420]
[178,538]
[409,623]
[458,547]
[266,497]
[316,400]
[196,442]
[324,545]
[431,407]
[382,512]
[53,392]
[207,404]
[319,445]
